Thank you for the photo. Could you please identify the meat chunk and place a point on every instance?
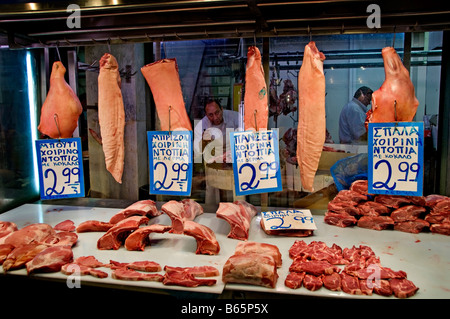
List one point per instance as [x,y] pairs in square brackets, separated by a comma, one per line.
[196,271]
[66,225]
[50,259]
[116,235]
[111,116]
[332,282]
[61,239]
[89,261]
[370,208]
[142,208]
[5,250]
[313,267]
[6,228]
[239,215]
[443,229]
[182,277]
[406,213]
[21,255]
[81,270]
[207,243]
[312,282]
[340,220]
[412,226]
[383,288]
[375,222]
[34,233]
[133,275]
[392,201]
[311,128]
[350,284]
[259,248]
[403,288]
[294,279]
[93,226]
[138,239]
[317,250]
[179,212]
[251,269]
[360,186]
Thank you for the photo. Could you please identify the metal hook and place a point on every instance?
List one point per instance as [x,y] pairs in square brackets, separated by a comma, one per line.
[254,38]
[310,33]
[57,50]
[256,123]
[393,40]
[55,118]
[109,45]
[170,109]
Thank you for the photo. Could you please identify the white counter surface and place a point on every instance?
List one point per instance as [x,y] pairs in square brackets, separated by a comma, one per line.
[424,257]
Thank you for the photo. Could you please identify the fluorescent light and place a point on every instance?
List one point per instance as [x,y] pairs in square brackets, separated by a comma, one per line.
[32,103]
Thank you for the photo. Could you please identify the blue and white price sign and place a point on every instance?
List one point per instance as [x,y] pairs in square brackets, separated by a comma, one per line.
[256,163]
[60,166]
[170,162]
[288,219]
[396,158]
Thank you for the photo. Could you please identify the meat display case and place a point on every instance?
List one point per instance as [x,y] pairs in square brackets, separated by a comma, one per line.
[424,257]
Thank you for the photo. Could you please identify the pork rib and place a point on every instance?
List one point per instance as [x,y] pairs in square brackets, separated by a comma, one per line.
[256,111]
[143,207]
[179,212]
[93,226]
[111,116]
[311,129]
[116,235]
[239,215]
[50,259]
[61,108]
[138,239]
[164,81]
[207,243]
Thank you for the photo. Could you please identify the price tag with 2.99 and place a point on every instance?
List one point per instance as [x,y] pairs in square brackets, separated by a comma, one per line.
[170,162]
[256,164]
[395,165]
[60,167]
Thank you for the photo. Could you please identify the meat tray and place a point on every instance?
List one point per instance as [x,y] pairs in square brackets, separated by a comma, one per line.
[424,257]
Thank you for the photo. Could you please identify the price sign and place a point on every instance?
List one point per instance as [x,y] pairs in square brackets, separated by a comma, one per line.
[396,158]
[256,163]
[60,166]
[288,219]
[170,162]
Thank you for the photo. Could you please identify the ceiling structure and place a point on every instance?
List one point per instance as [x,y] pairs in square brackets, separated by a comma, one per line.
[39,24]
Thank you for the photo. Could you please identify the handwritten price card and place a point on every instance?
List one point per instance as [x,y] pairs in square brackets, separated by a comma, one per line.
[170,162]
[256,163]
[288,219]
[396,158]
[60,166]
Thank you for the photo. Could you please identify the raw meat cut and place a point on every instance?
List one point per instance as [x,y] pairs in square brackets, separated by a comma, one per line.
[375,222]
[251,269]
[406,213]
[392,201]
[50,259]
[164,81]
[180,277]
[80,270]
[403,288]
[239,215]
[145,265]
[313,267]
[21,255]
[383,289]
[286,232]
[340,220]
[89,261]
[256,110]
[66,225]
[395,100]
[196,271]
[412,226]
[143,208]
[116,235]
[365,289]
[61,108]
[350,284]
[383,272]
[93,226]
[332,282]
[443,229]
[243,248]
[61,239]
[34,233]
[207,243]
[111,116]
[317,250]
[373,209]
[5,250]
[311,128]
[350,197]
[179,212]
[360,186]
[294,279]
[7,228]
[138,239]
[312,282]
[130,274]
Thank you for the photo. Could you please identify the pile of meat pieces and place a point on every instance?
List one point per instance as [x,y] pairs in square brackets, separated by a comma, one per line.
[38,247]
[124,227]
[143,271]
[315,265]
[411,214]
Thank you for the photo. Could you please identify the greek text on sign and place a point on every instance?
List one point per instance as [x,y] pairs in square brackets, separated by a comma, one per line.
[396,158]
[256,163]
[170,162]
[60,167]
[288,219]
